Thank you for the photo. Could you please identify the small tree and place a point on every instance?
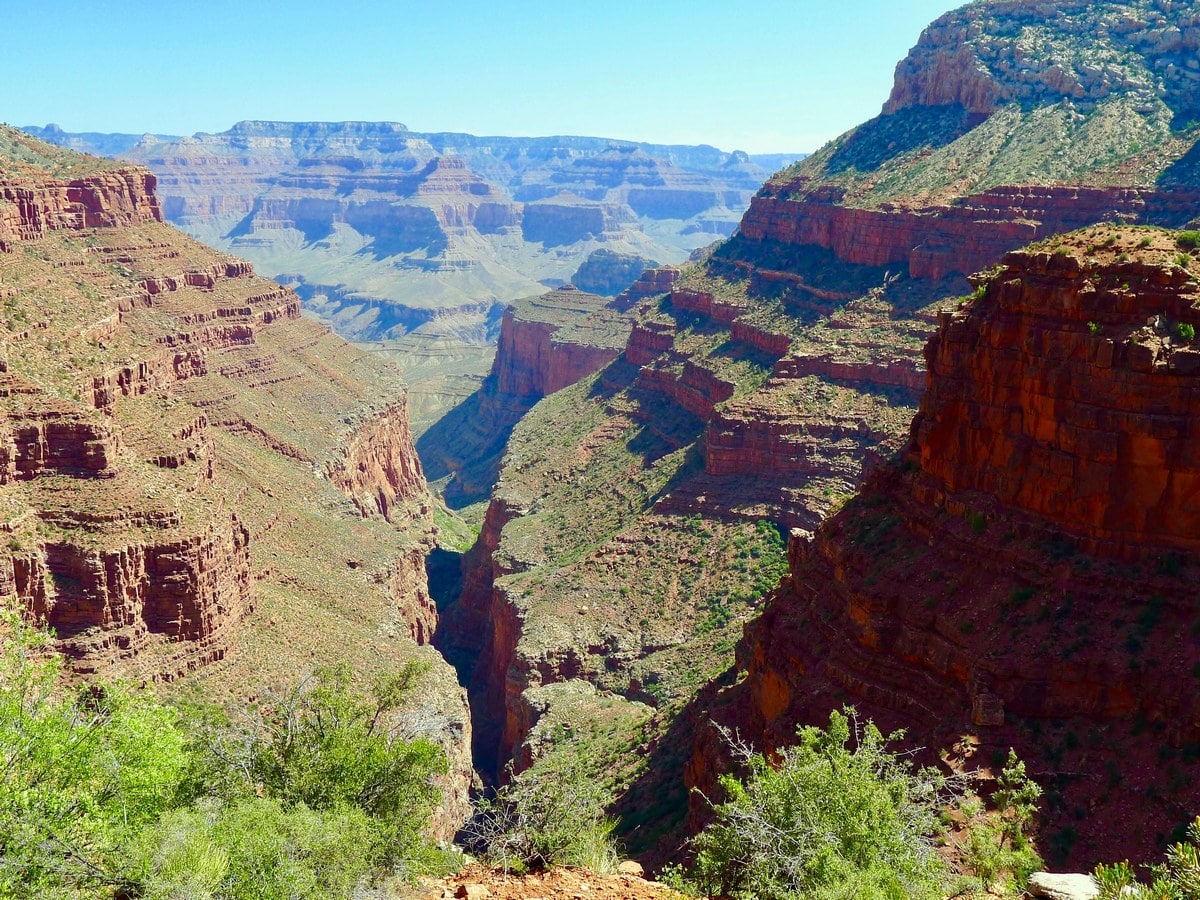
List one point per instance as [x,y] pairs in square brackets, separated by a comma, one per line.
[997,843]
[326,745]
[839,815]
[550,814]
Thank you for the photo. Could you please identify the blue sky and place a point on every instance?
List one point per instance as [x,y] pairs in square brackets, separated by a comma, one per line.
[767,76]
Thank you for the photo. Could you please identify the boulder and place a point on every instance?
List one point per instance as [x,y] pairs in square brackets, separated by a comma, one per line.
[1062,887]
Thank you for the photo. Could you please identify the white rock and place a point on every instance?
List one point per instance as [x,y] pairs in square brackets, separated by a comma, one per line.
[1062,887]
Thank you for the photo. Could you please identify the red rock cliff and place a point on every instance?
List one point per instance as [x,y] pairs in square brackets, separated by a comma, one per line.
[30,208]
[973,588]
[546,343]
[543,345]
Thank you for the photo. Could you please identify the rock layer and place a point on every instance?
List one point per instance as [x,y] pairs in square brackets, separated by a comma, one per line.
[194,480]
[546,343]
[1042,454]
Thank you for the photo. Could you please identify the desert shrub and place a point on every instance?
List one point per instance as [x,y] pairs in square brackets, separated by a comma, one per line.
[997,847]
[1188,240]
[106,792]
[84,771]
[328,747]
[839,815]
[550,814]
[258,849]
[1186,331]
[1176,879]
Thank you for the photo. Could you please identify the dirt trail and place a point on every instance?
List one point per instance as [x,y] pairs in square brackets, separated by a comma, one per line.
[569,884]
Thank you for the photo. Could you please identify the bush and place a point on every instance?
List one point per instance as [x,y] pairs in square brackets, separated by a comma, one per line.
[105,792]
[839,816]
[86,770]
[1177,879]
[258,849]
[551,814]
[326,747]
[997,846]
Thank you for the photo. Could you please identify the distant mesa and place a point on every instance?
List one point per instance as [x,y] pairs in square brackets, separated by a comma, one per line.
[608,273]
[382,224]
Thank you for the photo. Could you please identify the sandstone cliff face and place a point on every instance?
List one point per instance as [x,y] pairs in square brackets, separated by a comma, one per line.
[965,236]
[974,587]
[546,343]
[380,469]
[542,345]
[1060,397]
[32,208]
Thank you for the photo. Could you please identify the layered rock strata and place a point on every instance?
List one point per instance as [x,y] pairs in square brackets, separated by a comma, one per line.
[194,480]
[770,377]
[546,343]
[1020,576]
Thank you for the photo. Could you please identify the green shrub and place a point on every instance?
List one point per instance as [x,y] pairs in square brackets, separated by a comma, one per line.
[997,846]
[85,771]
[1177,879]
[550,814]
[1188,240]
[1186,332]
[105,792]
[258,849]
[327,747]
[839,816]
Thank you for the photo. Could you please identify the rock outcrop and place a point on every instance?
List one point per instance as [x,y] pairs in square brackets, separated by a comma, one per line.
[546,343]
[1020,575]
[34,207]
[963,236]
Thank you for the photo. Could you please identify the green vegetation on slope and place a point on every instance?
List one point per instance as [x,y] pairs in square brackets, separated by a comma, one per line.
[21,154]
[841,814]
[108,793]
[1005,93]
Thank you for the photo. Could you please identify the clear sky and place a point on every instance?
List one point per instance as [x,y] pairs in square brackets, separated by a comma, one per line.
[757,75]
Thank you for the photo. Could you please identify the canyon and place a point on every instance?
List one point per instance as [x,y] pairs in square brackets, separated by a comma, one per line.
[1019,576]
[767,381]
[202,490]
[414,242]
[866,450]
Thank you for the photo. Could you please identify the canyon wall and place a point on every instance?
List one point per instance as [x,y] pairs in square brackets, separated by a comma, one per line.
[964,236]
[769,379]
[1019,576]
[33,207]
[546,343]
[197,483]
